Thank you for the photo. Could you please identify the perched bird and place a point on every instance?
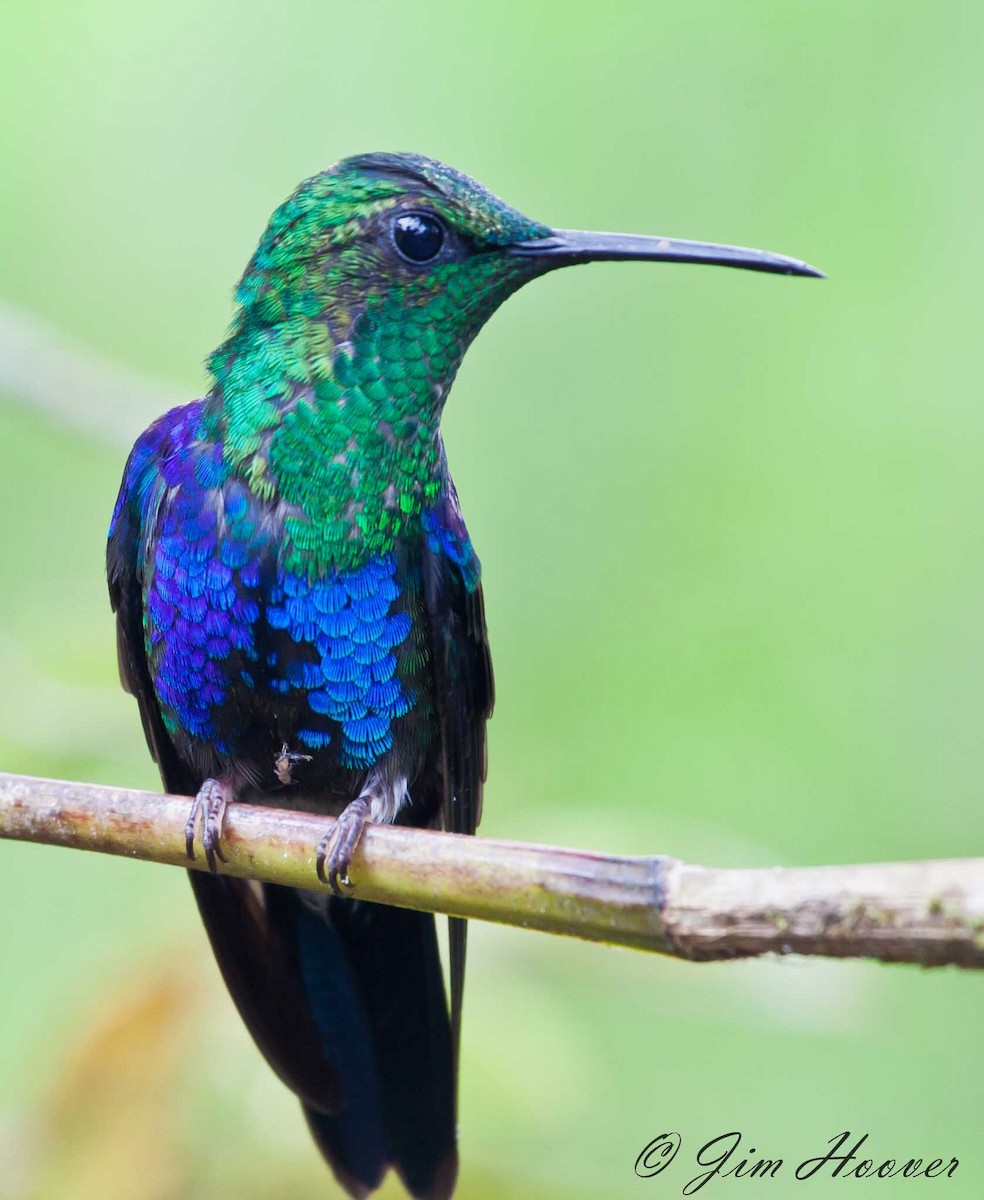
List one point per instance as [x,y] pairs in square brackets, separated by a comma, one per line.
[300,618]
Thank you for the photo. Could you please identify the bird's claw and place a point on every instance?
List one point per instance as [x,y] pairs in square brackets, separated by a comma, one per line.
[338,845]
[210,804]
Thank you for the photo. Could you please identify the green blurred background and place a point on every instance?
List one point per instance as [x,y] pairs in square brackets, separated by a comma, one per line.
[731,528]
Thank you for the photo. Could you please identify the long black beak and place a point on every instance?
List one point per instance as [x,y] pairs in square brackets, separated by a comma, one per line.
[563,247]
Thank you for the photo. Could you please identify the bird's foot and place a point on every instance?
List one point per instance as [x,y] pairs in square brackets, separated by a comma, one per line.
[210,804]
[338,845]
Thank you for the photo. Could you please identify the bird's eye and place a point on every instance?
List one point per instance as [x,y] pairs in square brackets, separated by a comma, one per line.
[418,236]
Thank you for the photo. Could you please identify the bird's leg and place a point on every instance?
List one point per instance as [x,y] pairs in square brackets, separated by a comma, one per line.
[210,804]
[381,798]
[339,843]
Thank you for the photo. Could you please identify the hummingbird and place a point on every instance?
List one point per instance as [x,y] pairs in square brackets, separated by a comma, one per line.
[300,618]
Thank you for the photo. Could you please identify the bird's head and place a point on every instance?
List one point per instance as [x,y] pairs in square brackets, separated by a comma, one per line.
[395,261]
[393,240]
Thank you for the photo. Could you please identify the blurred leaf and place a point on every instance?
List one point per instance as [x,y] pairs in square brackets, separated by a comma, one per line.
[108,1128]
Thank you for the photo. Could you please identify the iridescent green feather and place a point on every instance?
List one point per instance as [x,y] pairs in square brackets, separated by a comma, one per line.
[329,391]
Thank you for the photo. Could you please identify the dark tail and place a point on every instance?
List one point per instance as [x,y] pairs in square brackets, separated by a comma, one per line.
[346,1000]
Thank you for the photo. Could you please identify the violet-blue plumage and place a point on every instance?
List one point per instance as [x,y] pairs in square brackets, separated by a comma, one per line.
[447,535]
[200,615]
[206,612]
[345,627]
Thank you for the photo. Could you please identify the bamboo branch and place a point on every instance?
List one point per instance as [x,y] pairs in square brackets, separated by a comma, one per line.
[930,913]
